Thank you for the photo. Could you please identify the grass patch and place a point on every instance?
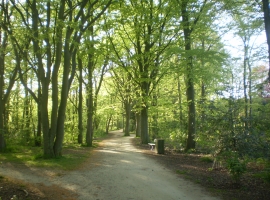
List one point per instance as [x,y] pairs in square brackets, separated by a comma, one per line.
[206,159]
[20,154]
[181,171]
[264,174]
[198,181]
[215,190]
[73,157]
[65,162]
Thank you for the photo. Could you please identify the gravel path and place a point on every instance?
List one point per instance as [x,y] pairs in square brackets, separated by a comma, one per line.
[116,171]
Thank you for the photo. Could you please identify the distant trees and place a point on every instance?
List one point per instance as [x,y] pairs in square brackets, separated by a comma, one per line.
[145,32]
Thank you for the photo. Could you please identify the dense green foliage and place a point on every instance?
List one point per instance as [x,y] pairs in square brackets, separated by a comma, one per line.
[161,69]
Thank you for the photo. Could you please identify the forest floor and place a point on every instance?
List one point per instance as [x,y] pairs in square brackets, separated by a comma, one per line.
[217,181]
[187,166]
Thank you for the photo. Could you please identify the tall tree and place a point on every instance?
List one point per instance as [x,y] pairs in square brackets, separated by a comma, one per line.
[3,43]
[57,29]
[8,73]
[189,23]
[247,26]
[96,58]
[80,103]
[144,26]
[123,84]
[266,12]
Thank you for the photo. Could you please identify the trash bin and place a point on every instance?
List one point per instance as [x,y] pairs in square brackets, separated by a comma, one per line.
[160,146]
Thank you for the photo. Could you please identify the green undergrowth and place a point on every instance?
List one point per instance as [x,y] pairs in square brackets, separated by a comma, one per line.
[73,156]
[206,159]
[264,172]
[181,171]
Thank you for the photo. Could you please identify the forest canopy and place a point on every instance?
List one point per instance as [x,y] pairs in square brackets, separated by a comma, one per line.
[195,73]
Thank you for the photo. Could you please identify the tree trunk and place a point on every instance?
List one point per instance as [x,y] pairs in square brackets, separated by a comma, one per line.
[5,91]
[191,114]
[90,104]
[154,128]
[266,12]
[144,125]
[61,120]
[27,117]
[69,69]
[203,98]
[89,132]
[108,122]
[250,93]
[2,128]
[39,126]
[180,104]
[3,43]
[43,79]
[80,105]
[127,120]
[245,84]
[190,91]
[123,122]
[138,124]
[26,114]
[203,95]
[48,151]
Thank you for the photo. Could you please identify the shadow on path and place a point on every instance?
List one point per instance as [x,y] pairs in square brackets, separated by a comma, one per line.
[117,170]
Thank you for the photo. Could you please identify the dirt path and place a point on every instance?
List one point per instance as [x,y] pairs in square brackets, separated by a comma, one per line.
[116,171]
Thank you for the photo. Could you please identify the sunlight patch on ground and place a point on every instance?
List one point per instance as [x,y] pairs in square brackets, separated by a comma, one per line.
[109,151]
[126,161]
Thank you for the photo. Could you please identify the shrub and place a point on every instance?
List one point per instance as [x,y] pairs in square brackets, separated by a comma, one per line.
[236,167]
[266,174]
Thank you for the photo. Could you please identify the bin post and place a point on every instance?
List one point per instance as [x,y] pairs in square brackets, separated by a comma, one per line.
[160,146]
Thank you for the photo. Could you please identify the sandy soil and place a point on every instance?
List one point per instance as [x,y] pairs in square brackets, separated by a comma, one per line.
[116,170]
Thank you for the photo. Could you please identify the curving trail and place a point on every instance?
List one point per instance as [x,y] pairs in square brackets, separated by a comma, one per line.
[119,171]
